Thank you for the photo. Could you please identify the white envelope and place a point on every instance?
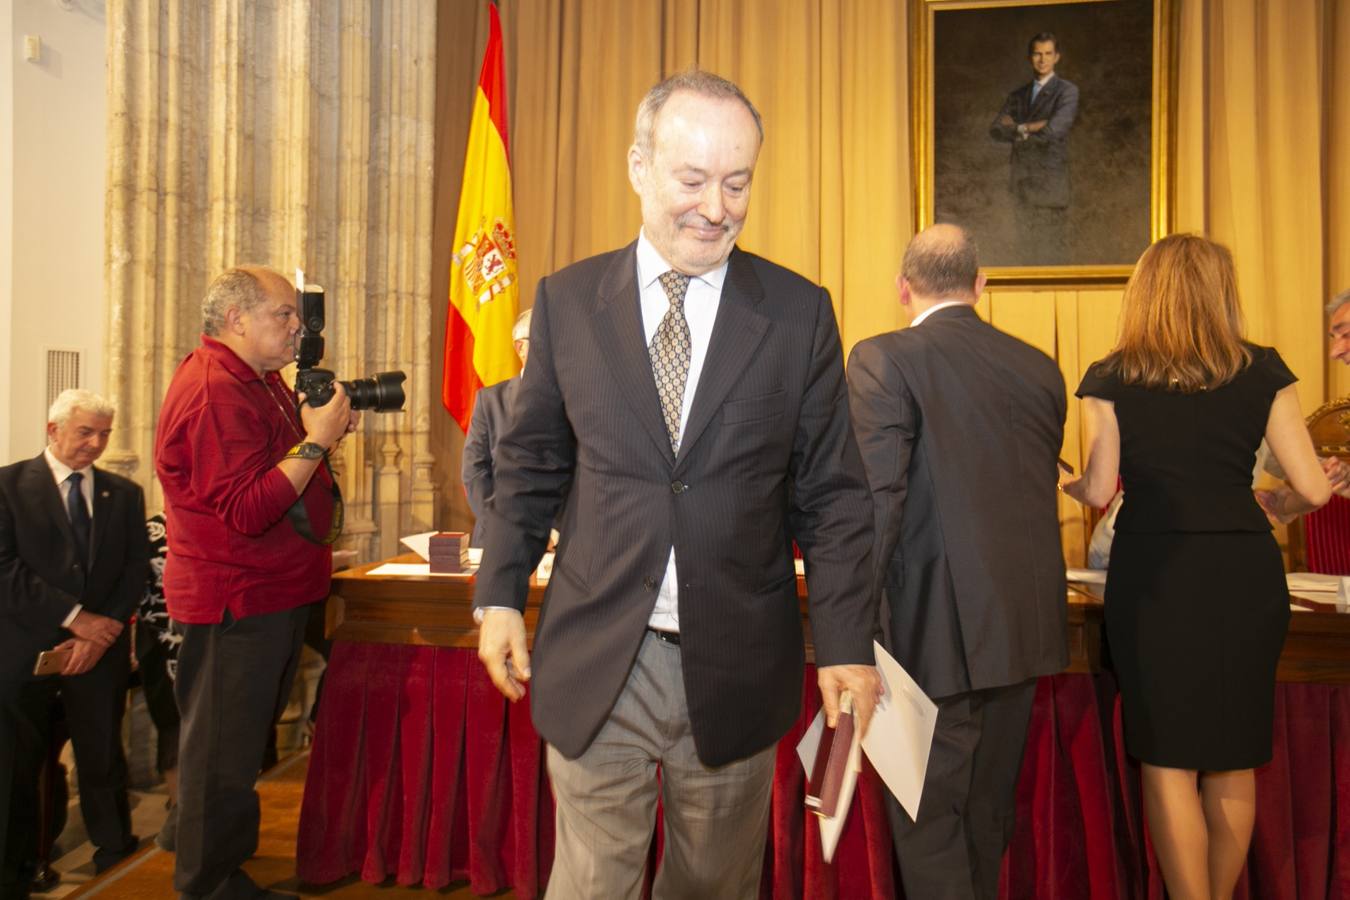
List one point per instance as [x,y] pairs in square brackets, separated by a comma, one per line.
[419,543]
[901,733]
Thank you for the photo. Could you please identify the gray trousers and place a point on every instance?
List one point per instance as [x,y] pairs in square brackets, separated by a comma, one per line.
[955,850]
[232,684]
[715,819]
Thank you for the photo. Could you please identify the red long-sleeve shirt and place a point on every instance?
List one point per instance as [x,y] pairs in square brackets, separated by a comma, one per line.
[222,431]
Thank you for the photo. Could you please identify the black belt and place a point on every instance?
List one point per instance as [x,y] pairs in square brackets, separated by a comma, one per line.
[670,637]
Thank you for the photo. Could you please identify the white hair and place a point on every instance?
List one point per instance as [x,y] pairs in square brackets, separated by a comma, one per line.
[72,399]
[521,330]
[1338,301]
[695,81]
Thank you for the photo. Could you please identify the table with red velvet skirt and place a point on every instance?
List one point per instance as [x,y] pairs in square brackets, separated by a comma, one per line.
[421,773]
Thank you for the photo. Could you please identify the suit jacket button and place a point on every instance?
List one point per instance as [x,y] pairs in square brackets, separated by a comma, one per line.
[649,583]
[677,487]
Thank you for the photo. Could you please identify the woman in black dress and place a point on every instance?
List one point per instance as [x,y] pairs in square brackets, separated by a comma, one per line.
[1196,602]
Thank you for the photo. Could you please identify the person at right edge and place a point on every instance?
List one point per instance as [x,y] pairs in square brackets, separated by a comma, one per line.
[1196,600]
[960,427]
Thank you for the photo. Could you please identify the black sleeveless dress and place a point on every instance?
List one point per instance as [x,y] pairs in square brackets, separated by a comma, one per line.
[1196,600]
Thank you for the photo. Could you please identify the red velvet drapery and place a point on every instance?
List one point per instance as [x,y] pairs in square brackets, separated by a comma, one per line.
[421,771]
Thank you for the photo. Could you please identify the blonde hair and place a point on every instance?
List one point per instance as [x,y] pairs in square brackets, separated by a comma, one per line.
[1180,321]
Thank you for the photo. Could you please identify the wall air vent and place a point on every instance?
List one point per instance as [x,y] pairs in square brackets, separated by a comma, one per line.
[65,369]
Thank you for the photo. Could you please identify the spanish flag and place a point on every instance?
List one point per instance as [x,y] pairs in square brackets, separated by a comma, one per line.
[483,283]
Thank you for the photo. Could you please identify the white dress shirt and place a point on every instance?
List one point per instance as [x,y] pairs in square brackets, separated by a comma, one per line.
[700,311]
[61,472]
[934,308]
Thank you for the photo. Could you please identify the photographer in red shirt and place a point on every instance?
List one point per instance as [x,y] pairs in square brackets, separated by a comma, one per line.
[251,510]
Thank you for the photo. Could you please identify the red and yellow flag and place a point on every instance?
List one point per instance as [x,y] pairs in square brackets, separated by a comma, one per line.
[484,287]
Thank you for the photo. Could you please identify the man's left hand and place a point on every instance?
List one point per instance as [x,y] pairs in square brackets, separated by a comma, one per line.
[863,684]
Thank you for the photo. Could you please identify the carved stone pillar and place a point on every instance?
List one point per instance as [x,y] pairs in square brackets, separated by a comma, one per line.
[295,133]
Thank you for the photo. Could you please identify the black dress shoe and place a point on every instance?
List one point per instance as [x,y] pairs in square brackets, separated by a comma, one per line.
[106,859]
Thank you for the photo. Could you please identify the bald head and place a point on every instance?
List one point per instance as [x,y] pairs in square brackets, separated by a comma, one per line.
[940,264]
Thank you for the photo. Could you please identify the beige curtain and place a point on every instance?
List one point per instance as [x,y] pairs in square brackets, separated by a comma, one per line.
[831,193]
[1263,117]
[331,135]
[290,133]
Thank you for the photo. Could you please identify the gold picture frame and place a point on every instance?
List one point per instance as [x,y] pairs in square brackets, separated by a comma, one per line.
[1106,170]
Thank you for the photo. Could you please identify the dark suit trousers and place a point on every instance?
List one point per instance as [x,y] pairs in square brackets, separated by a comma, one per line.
[966,816]
[94,704]
[22,747]
[232,684]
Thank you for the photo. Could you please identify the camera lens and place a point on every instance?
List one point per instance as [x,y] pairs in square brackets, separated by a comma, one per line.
[382,392]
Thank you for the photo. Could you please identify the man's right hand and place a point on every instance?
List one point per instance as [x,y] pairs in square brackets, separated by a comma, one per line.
[93,627]
[501,647]
[84,655]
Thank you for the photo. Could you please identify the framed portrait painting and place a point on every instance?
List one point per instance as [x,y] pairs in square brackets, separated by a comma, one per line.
[1046,129]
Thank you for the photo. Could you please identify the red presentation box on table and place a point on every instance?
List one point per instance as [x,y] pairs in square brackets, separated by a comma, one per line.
[448,552]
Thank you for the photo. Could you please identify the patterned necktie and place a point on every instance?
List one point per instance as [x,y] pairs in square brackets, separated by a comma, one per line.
[79,515]
[670,351]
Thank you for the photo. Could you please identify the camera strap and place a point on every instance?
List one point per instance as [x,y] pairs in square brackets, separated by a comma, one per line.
[299,516]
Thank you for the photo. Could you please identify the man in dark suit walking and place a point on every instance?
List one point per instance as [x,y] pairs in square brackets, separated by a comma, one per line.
[73,564]
[1035,120]
[688,400]
[489,419]
[960,427]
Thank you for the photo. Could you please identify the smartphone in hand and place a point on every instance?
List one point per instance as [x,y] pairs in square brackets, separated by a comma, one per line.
[52,662]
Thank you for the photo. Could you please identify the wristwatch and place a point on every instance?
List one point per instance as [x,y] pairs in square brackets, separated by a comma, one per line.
[1022,129]
[306,450]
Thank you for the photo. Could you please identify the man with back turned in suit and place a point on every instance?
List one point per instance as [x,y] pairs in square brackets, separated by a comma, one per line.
[960,427]
[687,399]
[1035,120]
[73,562]
[490,410]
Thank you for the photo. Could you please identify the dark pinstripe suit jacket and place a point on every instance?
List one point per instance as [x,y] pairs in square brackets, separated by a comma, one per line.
[767,456]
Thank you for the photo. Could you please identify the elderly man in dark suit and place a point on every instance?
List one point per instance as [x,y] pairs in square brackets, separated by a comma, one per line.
[490,410]
[1036,120]
[960,427]
[73,563]
[688,400]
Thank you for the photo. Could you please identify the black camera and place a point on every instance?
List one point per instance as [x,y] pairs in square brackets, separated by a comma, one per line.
[382,392]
